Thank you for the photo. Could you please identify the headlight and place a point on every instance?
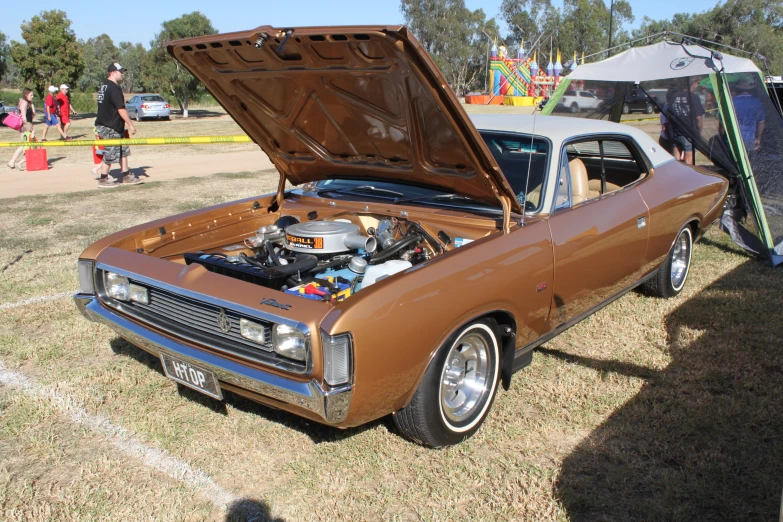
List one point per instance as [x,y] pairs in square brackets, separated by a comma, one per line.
[139,294]
[289,342]
[253,331]
[117,286]
[338,355]
[86,276]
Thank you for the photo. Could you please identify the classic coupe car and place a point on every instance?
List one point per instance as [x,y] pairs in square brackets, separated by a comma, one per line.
[420,259]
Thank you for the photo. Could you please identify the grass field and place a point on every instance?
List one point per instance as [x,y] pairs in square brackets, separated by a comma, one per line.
[649,410]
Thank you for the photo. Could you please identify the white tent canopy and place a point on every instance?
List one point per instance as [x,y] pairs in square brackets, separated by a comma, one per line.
[662,60]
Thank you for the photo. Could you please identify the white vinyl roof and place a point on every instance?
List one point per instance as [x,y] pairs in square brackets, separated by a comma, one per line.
[559,129]
[660,61]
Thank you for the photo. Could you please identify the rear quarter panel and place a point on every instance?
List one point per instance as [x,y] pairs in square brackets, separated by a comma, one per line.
[399,323]
[677,194]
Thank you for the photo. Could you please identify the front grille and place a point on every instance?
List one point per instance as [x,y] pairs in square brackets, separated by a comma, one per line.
[197,321]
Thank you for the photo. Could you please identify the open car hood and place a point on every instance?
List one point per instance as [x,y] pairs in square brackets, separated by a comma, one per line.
[347,102]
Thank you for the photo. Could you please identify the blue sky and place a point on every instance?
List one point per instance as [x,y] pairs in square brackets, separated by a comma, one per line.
[138,20]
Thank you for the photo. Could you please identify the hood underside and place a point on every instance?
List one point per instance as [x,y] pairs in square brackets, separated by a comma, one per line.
[347,102]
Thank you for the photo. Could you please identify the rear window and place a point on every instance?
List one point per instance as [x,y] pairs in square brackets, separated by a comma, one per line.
[152,99]
[520,155]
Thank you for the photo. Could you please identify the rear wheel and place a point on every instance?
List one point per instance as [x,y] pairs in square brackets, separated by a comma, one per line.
[574,107]
[457,391]
[671,276]
[138,118]
[626,108]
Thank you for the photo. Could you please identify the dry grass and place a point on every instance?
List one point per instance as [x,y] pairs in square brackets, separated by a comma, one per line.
[649,410]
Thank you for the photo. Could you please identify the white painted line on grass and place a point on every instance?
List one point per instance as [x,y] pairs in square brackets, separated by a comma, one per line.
[120,437]
[38,299]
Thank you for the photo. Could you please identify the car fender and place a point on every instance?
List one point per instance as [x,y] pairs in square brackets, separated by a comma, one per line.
[399,323]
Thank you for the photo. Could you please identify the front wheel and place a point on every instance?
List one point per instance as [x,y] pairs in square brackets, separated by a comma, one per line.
[138,118]
[671,276]
[626,108]
[648,109]
[457,390]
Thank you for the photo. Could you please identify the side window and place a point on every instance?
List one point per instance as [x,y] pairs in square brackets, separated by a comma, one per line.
[605,166]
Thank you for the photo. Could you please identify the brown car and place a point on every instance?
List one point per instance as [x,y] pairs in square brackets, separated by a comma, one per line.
[421,259]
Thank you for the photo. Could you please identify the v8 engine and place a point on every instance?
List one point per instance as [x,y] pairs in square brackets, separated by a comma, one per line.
[326,260]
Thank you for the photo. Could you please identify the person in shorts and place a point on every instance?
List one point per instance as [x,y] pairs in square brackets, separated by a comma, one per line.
[64,110]
[50,113]
[686,110]
[110,124]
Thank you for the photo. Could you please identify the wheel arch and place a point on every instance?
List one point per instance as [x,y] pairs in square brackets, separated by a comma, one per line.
[506,332]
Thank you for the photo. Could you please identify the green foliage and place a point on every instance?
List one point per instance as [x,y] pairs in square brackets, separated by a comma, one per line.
[132,58]
[164,73]
[83,101]
[5,56]
[581,26]
[12,98]
[452,34]
[50,55]
[751,25]
[98,53]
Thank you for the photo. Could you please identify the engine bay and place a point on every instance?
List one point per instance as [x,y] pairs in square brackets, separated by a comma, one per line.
[325,260]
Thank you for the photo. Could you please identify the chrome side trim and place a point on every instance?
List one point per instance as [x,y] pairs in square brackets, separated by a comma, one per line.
[331,404]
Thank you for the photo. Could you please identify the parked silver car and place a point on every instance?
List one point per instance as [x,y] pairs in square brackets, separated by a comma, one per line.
[6,109]
[148,106]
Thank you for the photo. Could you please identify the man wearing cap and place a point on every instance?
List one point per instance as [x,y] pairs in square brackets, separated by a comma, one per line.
[64,111]
[50,113]
[110,124]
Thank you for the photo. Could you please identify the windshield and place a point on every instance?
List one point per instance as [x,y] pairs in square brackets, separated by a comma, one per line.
[518,155]
[152,99]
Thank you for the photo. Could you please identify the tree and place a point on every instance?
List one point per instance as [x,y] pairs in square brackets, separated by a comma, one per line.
[132,56]
[529,19]
[580,26]
[753,26]
[451,34]
[4,56]
[165,73]
[50,55]
[98,53]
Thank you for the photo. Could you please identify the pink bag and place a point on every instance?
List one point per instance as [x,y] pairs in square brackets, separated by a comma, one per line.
[13,120]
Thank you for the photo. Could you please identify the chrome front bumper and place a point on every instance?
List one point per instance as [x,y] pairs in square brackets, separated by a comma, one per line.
[329,404]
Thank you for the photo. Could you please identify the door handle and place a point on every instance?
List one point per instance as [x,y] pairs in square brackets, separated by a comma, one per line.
[641,222]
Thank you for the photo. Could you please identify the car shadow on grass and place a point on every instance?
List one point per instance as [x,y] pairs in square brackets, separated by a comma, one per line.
[247,510]
[317,432]
[703,439]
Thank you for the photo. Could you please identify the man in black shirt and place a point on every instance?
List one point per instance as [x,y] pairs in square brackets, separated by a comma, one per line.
[110,124]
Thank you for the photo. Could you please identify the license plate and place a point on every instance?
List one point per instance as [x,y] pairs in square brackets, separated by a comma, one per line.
[191,376]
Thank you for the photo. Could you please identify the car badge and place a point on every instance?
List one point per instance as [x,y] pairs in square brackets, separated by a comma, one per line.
[223,322]
[275,304]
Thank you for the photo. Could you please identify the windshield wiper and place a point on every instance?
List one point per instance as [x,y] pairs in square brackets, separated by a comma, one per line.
[435,197]
[364,190]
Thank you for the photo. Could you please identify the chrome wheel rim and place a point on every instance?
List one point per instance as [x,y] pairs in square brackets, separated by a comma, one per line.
[681,256]
[464,378]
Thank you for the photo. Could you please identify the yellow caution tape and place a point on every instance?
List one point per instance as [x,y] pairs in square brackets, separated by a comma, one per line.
[189,140]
